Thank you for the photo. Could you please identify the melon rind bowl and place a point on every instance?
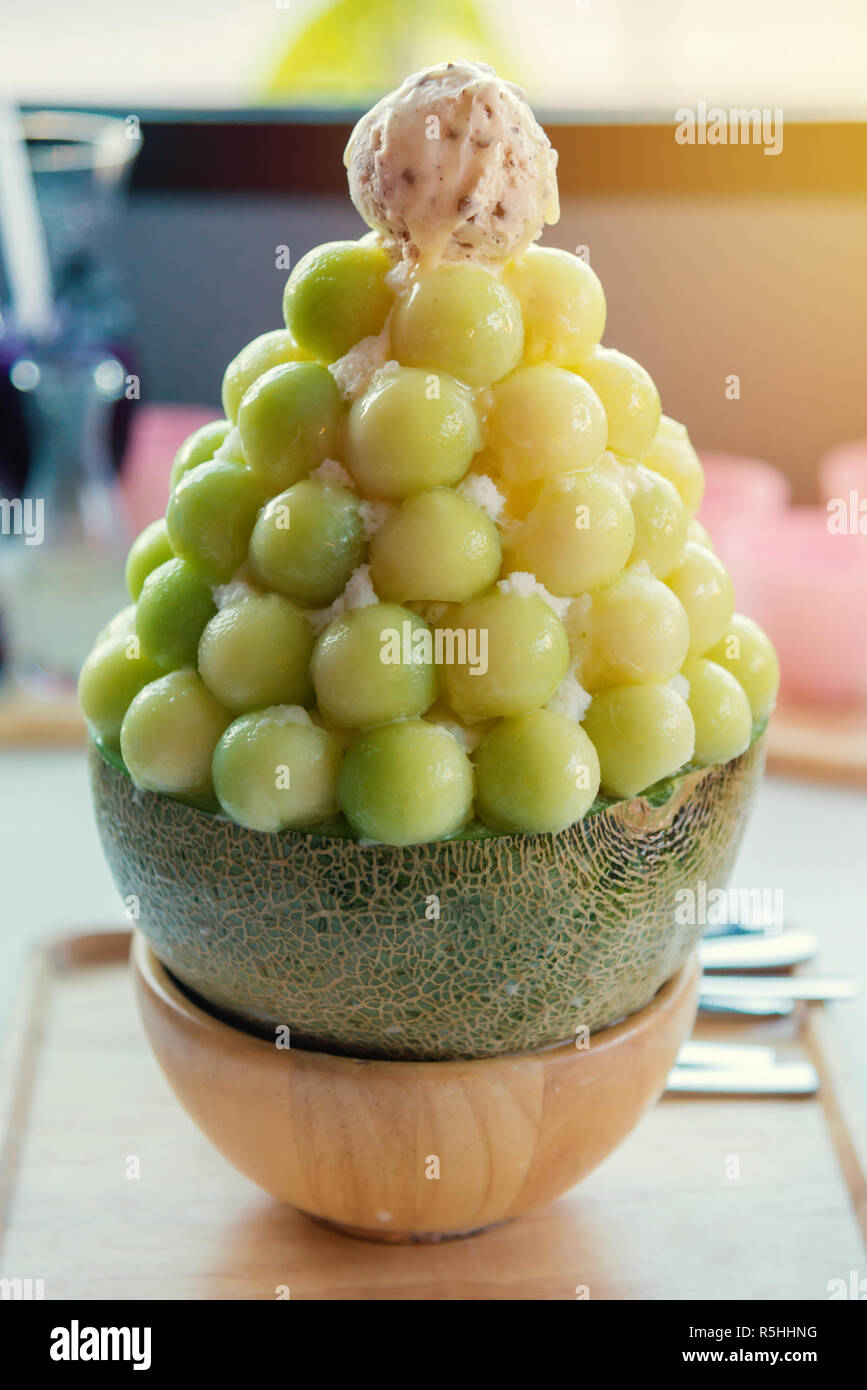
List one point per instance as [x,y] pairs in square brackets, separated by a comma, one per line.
[466,948]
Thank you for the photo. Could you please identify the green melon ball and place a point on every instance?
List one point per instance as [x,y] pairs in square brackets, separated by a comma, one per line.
[276,771]
[406,783]
[372,665]
[307,542]
[200,447]
[461,319]
[111,677]
[169,734]
[210,517]
[438,546]
[641,733]
[336,295]
[747,652]
[289,420]
[535,774]
[267,351]
[256,652]
[411,430]
[513,655]
[173,607]
[720,712]
[150,548]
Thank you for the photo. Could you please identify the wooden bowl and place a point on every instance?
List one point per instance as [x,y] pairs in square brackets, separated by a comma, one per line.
[465,948]
[411,1151]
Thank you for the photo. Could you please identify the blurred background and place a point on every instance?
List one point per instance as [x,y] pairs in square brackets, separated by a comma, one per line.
[155,159]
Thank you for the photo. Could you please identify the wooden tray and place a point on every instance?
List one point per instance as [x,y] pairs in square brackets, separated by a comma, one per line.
[827,744]
[83,1107]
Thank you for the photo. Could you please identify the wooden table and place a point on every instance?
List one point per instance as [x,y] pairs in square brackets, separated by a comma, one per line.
[108,1191]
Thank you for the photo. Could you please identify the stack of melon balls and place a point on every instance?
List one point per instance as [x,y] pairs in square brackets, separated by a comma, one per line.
[428,463]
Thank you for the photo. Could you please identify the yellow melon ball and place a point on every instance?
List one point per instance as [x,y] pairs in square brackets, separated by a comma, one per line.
[578,535]
[660,522]
[698,533]
[746,651]
[562,302]
[637,631]
[642,733]
[672,455]
[630,399]
[720,711]
[704,587]
[544,421]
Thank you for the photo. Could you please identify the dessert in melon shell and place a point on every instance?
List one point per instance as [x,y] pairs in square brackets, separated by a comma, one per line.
[432,694]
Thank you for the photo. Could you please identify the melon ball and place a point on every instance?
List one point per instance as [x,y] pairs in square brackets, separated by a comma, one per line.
[672,455]
[289,420]
[411,430]
[661,522]
[642,733]
[544,421]
[462,320]
[535,774]
[111,677]
[150,548]
[702,584]
[508,654]
[720,711]
[169,734]
[637,632]
[336,295]
[258,357]
[200,447]
[256,652]
[438,546]
[630,399]
[746,651]
[275,770]
[372,665]
[579,534]
[406,783]
[308,541]
[562,303]
[210,516]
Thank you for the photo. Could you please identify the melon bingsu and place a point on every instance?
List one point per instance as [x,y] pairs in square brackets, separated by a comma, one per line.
[435,577]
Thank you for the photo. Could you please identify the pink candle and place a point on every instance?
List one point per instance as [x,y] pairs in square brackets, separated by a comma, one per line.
[843,476]
[804,579]
[737,486]
[157,433]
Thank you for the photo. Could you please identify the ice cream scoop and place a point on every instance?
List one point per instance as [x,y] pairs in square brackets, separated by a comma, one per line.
[453,166]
